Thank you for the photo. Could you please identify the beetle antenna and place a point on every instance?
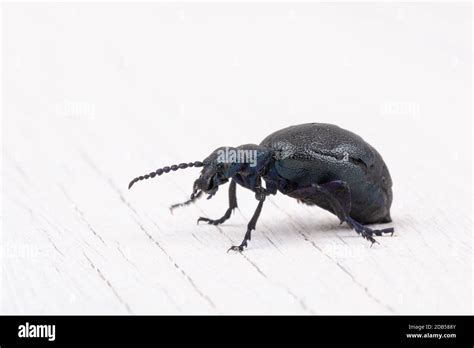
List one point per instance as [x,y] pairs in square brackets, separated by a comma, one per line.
[166,169]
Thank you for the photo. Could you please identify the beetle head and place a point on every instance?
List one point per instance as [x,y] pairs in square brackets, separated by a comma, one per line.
[217,170]
[221,165]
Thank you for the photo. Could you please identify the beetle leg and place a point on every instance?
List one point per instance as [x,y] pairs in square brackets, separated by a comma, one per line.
[359,227]
[251,226]
[338,198]
[189,201]
[228,213]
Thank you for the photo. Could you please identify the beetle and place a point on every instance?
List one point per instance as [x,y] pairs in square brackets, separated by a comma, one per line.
[316,163]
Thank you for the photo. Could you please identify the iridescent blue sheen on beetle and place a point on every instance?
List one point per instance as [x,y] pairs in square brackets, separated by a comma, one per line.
[315,163]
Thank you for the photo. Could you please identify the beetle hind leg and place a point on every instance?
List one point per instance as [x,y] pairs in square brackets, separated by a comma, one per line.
[367,232]
[358,226]
[335,196]
[338,195]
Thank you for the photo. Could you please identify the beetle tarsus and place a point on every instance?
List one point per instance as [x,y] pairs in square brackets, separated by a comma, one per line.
[240,247]
[367,232]
[216,221]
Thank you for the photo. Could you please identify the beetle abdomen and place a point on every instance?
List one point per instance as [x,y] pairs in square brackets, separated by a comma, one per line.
[317,153]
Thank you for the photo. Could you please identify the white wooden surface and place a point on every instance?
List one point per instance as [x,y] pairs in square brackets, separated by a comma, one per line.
[89,103]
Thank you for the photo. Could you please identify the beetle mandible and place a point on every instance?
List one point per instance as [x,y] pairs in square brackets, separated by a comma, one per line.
[315,163]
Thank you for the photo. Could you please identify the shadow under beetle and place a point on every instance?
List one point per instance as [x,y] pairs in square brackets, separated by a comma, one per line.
[315,163]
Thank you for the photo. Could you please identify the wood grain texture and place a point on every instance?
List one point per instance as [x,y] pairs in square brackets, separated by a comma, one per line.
[75,240]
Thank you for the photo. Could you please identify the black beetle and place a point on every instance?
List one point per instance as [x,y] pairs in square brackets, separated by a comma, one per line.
[316,163]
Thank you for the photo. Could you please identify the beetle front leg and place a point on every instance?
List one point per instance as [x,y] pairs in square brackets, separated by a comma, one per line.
[228,213]
[189,201]
[260,194]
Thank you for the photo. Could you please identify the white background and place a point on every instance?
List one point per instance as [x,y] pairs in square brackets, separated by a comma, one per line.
[96,94]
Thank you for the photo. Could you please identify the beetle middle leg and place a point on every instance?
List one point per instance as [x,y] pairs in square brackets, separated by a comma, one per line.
[228,213]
